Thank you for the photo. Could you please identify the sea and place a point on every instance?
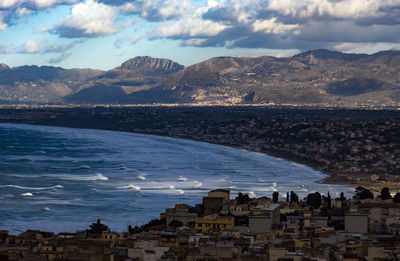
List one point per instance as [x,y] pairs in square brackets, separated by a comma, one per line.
[63,179]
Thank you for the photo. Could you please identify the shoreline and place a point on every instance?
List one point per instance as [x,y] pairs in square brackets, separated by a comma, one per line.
[330,179]
[334,146]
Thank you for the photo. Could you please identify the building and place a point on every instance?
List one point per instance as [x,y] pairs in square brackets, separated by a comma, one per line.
[180,213]
[261,219]
[356,223]
[213,223]
[215,201]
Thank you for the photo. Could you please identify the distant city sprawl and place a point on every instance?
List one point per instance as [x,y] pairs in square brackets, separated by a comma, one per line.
[284,227]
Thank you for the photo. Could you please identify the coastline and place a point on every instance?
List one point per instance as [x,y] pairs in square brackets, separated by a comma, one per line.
[304,136]
[330,179]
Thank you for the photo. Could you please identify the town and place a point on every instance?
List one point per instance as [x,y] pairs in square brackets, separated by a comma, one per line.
[354,146]
[280,227]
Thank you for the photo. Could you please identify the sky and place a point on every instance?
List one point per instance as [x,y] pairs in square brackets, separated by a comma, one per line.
[102,34]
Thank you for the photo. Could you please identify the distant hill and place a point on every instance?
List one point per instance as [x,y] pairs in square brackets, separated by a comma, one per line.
[136,74]
[315,77]
[45,84]
[319,77]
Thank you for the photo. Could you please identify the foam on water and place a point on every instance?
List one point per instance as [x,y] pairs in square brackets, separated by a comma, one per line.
[73,176]
[131,186]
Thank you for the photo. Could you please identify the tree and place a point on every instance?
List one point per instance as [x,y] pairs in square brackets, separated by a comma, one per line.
[314,200]
[175,223]
[242,198]
[293,197]
[385,194]
[275,197]
[329,200]
[396,198]
[342,197]
[363,193]
[98,227]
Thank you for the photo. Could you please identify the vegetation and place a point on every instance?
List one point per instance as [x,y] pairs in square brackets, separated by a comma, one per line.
[385,193]
[314,200]
[363,193]
[145,227]
[275,197]
[242,198]
[97,228]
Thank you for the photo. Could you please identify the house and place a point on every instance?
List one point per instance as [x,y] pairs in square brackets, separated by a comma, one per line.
[213,223]
[356,222]
[169,239]
[215,201]
[261,219]
[52,251]
[180,213]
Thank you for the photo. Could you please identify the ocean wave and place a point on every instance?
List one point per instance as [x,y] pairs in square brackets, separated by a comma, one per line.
[182,178]
[46,209]
[197,184]
[131,187]
[28,194]
[251,194]
[31,188]
[97,176]
[141,177]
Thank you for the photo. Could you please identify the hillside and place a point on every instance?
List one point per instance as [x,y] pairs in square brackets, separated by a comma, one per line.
[136,74]
[316,77]
[319,77]
[45,84]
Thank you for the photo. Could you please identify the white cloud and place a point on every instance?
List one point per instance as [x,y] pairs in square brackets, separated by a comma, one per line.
[158,10]
[88,19]
[9,3]
[342,9]
[23,11]
[190,27]
[48,3]
[31,46]
[271,26]
[3,26]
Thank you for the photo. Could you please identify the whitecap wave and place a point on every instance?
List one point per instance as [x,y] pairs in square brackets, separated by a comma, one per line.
[182,178]
[31,188]
[197,184]
[131,187]
[141,177]
[180,191]
[98,176]
[28,194]
[46,209]
[251,194]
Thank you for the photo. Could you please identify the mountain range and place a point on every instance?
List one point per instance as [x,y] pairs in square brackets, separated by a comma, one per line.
[319,77]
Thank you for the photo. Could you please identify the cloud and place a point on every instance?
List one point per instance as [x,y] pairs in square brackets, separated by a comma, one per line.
[32,4]
[87,19]
[190,27]
[6,49]
[31,46]
[3,26]
[271,26]
[62,57]
[158,10]
[40,47]
[127,39]
[23,11]
[285,24]
[340,9]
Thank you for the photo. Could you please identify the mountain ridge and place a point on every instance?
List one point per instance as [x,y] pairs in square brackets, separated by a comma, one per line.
[314,77]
